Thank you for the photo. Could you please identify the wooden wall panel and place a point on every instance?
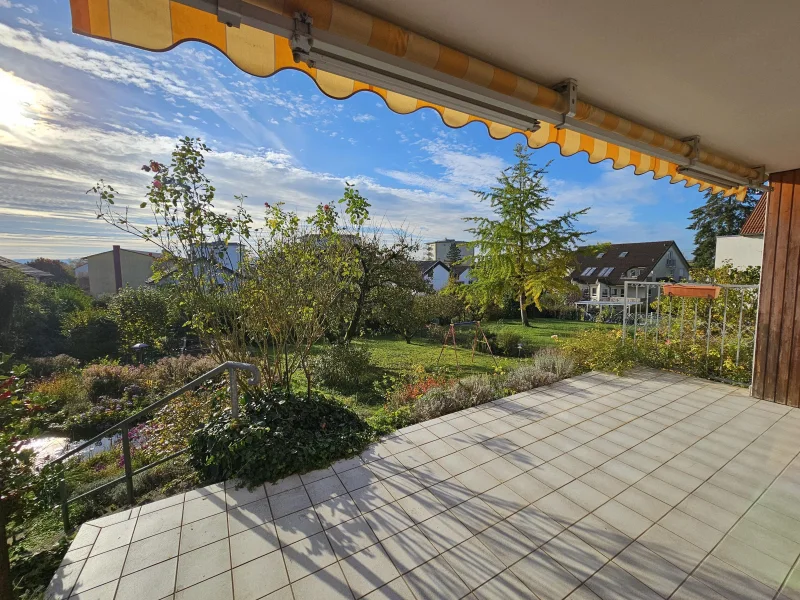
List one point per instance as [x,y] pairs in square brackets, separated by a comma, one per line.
[776,372]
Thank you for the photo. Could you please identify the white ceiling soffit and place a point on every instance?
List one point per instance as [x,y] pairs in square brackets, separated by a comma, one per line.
[726,70]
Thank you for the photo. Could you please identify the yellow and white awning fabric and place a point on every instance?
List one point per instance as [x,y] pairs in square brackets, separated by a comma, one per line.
[252,45]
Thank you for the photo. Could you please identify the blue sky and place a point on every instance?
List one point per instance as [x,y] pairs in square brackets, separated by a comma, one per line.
[74,110]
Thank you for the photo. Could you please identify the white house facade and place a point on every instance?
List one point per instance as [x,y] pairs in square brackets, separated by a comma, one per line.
[746,249]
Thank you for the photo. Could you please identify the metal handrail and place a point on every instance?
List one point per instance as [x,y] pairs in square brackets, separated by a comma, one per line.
[231,367]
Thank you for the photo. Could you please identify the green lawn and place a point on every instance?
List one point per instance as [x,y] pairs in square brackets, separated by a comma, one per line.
[538,335]
[392,356]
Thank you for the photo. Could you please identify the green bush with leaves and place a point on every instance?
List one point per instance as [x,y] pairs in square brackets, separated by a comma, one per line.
[277,434]
[598,349]
[147,314]
[50,365]
[507,341]
[342,367]
[91,333]
[111,380]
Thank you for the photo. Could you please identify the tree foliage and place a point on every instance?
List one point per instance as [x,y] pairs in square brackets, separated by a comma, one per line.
[521,253]
[274,301]
[453,254]
[62,272]
[717,216]
[16,465]
[145,314]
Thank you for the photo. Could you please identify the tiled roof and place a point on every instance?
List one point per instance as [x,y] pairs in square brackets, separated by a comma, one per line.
[754,225]
[425,266]
[7,263]
[644,255]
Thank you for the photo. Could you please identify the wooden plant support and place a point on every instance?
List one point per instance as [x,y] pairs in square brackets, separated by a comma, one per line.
[451,335]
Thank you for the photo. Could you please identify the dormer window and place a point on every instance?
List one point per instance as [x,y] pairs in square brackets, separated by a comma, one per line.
[633,273]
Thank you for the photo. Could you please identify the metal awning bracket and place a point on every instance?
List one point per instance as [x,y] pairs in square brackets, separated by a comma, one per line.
[569,90]
[302,39]
[694,143]
[230,12]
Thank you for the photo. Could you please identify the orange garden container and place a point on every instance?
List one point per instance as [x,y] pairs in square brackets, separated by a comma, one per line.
[690,290]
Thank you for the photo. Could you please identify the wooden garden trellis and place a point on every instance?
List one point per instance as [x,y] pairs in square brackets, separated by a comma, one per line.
[451,335]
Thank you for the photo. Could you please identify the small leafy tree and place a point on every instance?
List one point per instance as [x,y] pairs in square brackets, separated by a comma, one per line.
[379,266]
[453,254]
[521,254]
[62,273]
[272,303]
[718,216]
[144,314]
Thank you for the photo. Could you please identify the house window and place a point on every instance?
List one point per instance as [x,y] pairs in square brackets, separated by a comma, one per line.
[588,271]
[605,271]
[601,255]
[614,291]
[669,254]
[594,291]
[605,292]
[623,254]
[633,272]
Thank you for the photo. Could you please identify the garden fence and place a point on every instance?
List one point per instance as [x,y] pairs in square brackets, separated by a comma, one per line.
[712,337]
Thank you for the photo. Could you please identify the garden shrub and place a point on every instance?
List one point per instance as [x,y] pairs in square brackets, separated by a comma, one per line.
[277,434]
[342,366]
[473,390]
[507,341]
[434,403]
[554,361]
[389,418]
[528,377]
[103,413]
[110,379]
[48,365]
[65,389]
[600,350]
[91,334]
[172,372]
[145,314]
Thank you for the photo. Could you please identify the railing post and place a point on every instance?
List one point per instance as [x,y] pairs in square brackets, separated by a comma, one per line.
[234,393]
[62,488]
[126,455]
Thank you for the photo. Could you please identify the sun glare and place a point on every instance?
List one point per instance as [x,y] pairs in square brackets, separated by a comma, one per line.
[23,103]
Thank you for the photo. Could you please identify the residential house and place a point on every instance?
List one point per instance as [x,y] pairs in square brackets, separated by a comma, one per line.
[602,275]
[119,267]
[38,275]
[747,248]
[435,271]
[461,273]
[438,250]
[82,276]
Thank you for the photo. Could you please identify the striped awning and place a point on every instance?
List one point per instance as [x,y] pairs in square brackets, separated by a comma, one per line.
[159,25]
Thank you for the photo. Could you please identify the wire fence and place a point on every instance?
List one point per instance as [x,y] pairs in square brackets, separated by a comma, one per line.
[704,330]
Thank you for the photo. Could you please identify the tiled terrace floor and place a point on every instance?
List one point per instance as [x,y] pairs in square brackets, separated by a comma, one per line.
[648,486]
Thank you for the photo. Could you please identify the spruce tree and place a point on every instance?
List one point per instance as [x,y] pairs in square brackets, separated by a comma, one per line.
[718,216]
[519,254]
[453,254]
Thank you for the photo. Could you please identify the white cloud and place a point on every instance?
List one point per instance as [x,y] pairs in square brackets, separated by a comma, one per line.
[363,118]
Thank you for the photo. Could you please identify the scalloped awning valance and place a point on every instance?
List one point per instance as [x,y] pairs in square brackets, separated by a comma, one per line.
[347,51]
